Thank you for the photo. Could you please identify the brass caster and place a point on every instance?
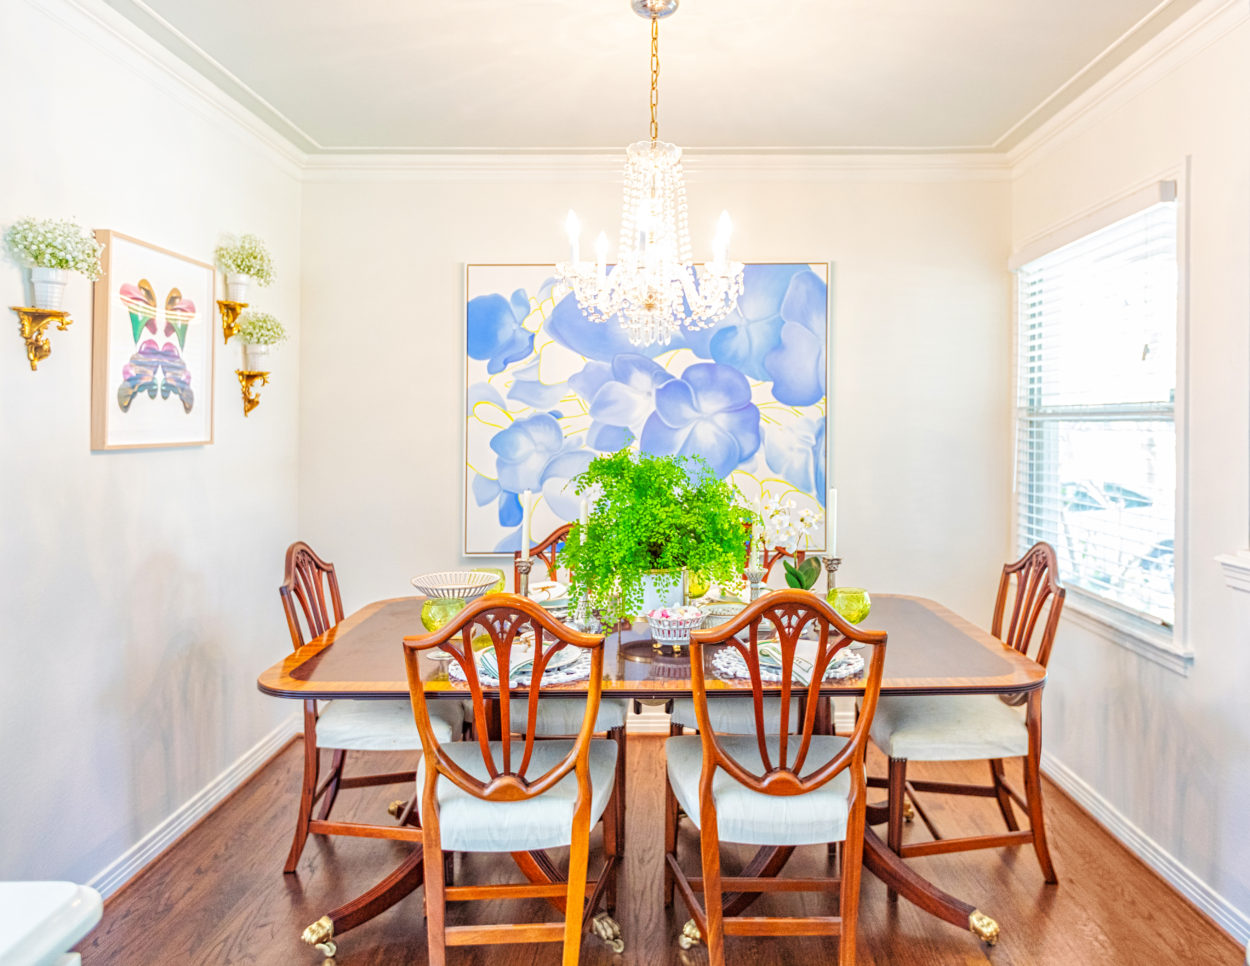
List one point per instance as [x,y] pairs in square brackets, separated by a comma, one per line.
[909,813]
[690,935]
[396,808]
[607,929]
[320,935]
[983,927]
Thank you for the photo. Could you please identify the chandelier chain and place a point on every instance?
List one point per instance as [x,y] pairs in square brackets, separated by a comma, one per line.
[655,77]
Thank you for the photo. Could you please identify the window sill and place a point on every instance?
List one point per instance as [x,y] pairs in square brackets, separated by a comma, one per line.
[1236,567]
[1142,638]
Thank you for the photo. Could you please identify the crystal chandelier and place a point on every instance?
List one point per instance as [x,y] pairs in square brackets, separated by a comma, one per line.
[655,288]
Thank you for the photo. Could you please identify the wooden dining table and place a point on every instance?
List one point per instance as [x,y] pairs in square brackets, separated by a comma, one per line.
[930,651]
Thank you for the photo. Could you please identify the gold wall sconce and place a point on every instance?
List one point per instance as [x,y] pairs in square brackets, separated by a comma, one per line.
[248,382]
[230,312]
[33,322]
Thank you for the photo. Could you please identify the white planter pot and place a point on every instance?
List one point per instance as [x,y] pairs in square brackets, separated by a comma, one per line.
[237,286]
[49,287]
[255,357]
[653,595]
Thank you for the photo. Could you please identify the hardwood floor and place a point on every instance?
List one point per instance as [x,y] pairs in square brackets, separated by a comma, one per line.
[219,895]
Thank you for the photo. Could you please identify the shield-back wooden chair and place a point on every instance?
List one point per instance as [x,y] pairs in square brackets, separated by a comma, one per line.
[517,794]
[972,727]
[561,717]
[733,715]
[774,790]
[310,594]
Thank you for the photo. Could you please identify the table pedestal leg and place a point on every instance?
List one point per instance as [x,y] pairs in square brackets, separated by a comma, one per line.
[897,875]
[402,882]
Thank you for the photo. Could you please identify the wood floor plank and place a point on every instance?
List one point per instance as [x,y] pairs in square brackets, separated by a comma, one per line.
[218,896]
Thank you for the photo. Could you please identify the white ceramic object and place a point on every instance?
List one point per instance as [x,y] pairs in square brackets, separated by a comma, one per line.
[675,630]
[237,286]
[548,591]
[653,595]
[40,921]
[48,285]
[467,585]
[255,357]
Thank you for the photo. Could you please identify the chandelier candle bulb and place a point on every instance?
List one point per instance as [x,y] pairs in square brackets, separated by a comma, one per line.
[601,262]
[525,524]
[720,244]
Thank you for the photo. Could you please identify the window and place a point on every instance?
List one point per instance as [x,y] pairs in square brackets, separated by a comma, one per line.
[1096,393]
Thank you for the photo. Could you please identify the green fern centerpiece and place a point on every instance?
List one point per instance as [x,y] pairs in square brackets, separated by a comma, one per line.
[653,515]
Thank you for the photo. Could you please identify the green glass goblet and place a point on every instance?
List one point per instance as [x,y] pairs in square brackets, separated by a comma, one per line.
[498,586]
[852,603]
[437,611]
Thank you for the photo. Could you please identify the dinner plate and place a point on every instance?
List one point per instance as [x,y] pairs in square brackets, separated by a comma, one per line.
[525,652]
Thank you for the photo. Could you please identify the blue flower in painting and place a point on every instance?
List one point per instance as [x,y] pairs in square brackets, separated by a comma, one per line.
[532,454]
[707,412]
[797,454]
[600,341]
[495,332]
[777,332]
[623,400]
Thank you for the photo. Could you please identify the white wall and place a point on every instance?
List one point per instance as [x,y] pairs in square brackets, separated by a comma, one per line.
[921,438]
[1171,754]
[138,588]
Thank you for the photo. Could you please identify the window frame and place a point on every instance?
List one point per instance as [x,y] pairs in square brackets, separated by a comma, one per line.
[1166,646]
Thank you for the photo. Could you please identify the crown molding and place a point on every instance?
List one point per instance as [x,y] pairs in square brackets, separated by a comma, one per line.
[1187,37]
[699,166]
[136,51]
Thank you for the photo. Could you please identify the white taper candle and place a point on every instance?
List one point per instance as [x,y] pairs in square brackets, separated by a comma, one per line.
[831,522]
[525,524]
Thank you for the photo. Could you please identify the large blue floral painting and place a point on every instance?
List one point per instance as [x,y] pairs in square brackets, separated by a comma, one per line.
[547,390]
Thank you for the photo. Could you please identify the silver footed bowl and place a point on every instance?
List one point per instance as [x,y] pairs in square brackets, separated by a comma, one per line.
[465,584]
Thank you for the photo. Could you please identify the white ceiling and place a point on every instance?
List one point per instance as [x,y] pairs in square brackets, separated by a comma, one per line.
[814,75]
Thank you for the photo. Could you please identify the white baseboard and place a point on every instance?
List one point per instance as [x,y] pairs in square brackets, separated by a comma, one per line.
[120,871]
[1231,919]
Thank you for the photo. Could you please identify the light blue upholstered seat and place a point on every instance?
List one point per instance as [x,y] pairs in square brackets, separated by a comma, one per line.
[949,728]
[736,716]
[387,725]
[471,824]
[563,716]
[754,818]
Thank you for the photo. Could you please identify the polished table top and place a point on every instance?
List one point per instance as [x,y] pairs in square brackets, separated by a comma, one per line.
[931,650]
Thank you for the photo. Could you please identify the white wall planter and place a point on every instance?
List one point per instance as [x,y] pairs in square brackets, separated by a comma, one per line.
[237,286]
[255,357]
[48,286]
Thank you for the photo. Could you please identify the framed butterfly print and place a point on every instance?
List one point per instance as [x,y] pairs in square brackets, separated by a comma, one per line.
[152,350]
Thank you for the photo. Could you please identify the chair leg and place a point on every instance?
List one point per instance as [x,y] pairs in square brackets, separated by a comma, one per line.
[308,790]
[852,863]
[575,903]
[332,790]
[1033,787]
[612,845]
[618,735]
[670,838]
[1000,791]
[709,848]
[898,793]
[435,894]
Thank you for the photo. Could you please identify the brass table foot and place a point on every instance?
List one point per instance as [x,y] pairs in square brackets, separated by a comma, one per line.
[983,927]
[320,935]
[396,808]
[909,813]
[690,935]
[607,929]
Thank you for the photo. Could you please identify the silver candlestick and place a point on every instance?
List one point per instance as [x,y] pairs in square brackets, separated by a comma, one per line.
[755,575]
[831,572]
[523,574]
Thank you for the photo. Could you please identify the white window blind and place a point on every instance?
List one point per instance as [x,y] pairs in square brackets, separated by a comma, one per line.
[1096,439]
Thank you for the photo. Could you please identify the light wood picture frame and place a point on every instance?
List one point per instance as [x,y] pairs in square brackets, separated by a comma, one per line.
[153,354]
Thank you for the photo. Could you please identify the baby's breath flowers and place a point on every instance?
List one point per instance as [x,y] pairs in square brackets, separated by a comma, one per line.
[52,243]
[246,256]
[261,328]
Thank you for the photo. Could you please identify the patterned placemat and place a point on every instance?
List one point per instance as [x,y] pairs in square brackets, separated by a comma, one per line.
[728,663]
[578,670]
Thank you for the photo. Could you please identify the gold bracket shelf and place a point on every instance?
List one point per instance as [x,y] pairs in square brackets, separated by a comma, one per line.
[230,312]
[248,381]
[33,322]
